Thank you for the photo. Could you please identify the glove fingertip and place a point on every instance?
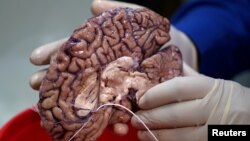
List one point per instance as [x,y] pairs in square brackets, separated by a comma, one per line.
[141,103]
[121,129]
[144,101]
[99,6]
[34,57]
[36,79]
[39,57]
[33,84]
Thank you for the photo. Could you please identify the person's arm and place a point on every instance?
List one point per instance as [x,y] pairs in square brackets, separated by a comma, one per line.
[221,32]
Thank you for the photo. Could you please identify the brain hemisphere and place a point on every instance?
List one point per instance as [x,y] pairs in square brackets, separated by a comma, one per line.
[108,59]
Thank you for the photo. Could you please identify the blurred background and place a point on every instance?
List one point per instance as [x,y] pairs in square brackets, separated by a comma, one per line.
[27,24]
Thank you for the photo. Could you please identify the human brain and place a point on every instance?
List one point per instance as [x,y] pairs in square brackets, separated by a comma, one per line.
[111,58]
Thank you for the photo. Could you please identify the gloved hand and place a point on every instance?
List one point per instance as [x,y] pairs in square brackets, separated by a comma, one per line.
[180,109]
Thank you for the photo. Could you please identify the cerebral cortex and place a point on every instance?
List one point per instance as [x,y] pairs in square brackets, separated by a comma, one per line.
[114,57]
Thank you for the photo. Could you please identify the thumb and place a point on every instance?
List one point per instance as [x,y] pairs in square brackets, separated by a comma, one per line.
[188,71]
[99,6]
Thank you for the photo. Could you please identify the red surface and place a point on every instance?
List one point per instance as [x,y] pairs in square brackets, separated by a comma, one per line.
[26,127]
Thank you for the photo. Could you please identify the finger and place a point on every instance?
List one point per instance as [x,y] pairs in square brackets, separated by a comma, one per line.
[120,129]
[184,114]
[176,90]
[42,54]
[188,71]
[99,6]
[36,79]
[178,134]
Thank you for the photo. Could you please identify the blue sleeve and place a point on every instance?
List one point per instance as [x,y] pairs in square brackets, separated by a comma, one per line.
[220,29]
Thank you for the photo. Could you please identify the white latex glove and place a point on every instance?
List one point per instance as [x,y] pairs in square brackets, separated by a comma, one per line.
[180,109]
